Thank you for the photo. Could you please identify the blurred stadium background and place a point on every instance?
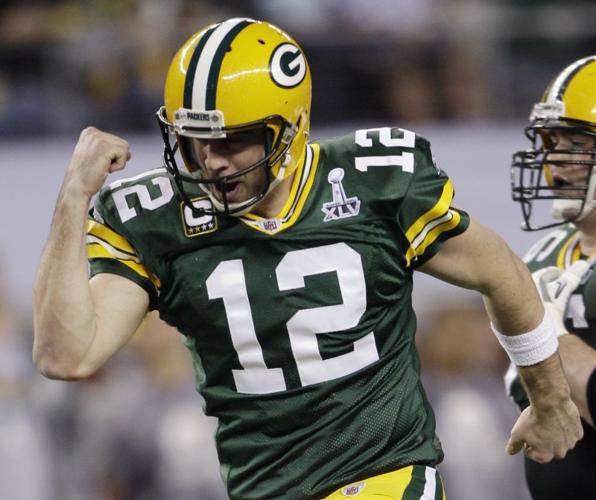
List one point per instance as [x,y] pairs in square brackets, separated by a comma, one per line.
[463,73]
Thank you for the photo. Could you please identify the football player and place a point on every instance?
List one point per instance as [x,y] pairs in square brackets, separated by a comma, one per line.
[559,169]
[287,266]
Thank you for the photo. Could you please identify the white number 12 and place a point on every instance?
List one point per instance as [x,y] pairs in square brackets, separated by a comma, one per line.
[227,282]
[405,160]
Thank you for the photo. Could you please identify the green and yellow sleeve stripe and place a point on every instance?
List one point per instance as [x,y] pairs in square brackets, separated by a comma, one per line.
[426,229]
[104,243]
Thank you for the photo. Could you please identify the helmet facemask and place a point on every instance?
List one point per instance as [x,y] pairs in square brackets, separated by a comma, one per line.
[539,174]
[559,169]
[182,137]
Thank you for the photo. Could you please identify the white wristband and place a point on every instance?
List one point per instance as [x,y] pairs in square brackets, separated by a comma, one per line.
[530,348]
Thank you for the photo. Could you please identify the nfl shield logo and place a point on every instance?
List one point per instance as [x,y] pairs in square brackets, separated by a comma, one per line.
[270,225]
[352,489]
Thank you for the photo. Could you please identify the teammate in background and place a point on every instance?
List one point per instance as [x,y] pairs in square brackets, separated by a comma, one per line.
[287,265]
[559,170]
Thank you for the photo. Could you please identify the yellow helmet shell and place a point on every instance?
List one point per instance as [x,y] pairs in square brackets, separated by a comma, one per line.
[243,71]
[571,95]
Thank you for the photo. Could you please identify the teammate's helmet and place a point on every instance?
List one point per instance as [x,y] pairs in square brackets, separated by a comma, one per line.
[567,106]
[234,76]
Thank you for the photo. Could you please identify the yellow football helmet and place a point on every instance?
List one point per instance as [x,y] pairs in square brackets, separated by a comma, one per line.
[568,106]
[234,76]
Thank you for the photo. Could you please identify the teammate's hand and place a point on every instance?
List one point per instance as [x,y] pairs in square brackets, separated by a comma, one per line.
[546,435]
[556,286]
[96,155]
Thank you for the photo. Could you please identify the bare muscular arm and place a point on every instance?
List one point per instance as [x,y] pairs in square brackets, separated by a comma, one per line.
[78,323]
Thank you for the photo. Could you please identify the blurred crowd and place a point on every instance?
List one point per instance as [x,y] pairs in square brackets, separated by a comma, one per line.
[65,64]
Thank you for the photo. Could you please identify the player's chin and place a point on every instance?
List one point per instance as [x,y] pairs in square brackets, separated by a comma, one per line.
[238,193]
[570,214]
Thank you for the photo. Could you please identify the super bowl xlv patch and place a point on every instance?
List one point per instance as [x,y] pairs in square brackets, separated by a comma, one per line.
[341,207]
[196,225]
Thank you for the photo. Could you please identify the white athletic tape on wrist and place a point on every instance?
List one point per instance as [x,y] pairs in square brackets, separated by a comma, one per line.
[532,347]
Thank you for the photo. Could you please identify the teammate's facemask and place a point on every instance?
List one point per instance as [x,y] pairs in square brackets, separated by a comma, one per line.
[238,76]
[568,107]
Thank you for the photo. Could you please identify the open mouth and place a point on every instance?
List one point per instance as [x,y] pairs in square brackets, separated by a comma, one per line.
[560,182]
[230,189]
[566,188]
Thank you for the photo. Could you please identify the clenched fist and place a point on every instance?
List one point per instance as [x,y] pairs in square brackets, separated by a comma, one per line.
[96,155]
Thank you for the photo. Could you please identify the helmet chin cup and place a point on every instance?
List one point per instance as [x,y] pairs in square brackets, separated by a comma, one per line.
[566,210]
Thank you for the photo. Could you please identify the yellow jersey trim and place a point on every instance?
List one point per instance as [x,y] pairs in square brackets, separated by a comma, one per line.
[112,238]
[104,243]
[96,251]
[408,482]
[433,222]
[570,252]
[450,223]
[299,191]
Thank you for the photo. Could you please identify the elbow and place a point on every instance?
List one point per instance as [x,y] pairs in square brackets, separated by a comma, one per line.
[57,353]
[56,367]
[54,371]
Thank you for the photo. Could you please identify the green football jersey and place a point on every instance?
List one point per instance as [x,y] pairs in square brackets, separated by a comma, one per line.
[561,248]
[301,327]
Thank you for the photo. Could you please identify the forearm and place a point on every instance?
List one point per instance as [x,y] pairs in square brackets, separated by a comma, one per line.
[579,362]
[510,297]
[481,260]
[515,309]
[521,315]
[64,317]
[545,382]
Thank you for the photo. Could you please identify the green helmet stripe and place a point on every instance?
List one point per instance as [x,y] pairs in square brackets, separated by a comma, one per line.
[192,68]
[217,62]
[205,64]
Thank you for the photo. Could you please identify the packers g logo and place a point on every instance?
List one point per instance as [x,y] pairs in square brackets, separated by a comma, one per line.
[287,66]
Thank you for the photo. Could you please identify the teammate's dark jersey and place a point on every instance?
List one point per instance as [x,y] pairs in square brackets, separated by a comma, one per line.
[301,327]
[571,477]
